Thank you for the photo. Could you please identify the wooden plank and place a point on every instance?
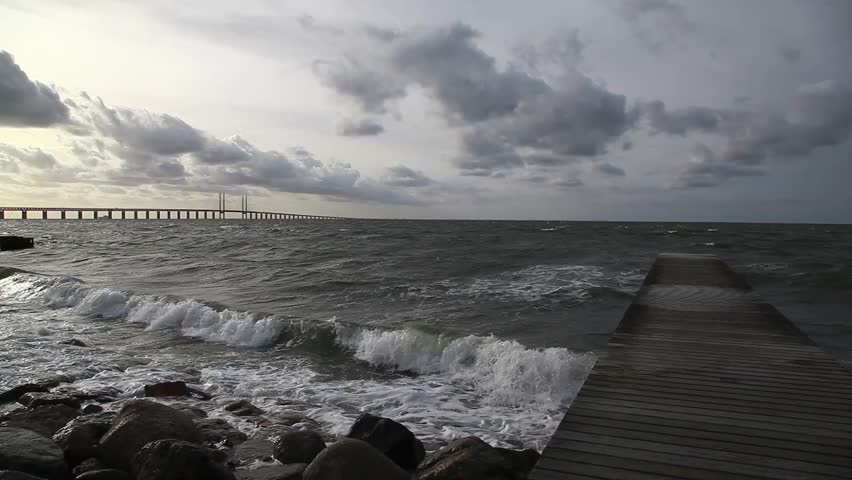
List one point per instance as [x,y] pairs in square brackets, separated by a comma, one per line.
[702,380]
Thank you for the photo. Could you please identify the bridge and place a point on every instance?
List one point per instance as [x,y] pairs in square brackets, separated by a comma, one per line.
[139,213]
[703,380]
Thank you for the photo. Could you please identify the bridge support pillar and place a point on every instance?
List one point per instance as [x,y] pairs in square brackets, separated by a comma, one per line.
[62,214]
[158,214]
[24,214]
[168,214]
[44,215]
[2,214]
[205,215]
[123,214]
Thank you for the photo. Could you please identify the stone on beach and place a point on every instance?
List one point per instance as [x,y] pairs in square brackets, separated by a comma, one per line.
[243,408]
[352,459]
[79,438]
[14,393]
[472,459]
[139,423]
[298,446]
[16,475]
[37,399]
[178,460]
[215,431]
[28,452]
[44,420]
[167,389]
[391,438]
[105,474]
[292,471]
[88,465]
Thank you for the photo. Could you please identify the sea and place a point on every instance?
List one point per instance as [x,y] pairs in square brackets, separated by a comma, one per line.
[453,328]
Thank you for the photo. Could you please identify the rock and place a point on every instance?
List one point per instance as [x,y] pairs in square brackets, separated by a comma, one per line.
[194,412]
[243,408]
[352,459]
[472,459]
[256,449]
[14,393]
[167,389]
[44,420]
[198,393]
[88,465]
[141,422]
[218,432]
[390,438]
[292,471]
[92,408]
[15,475]
[298,446]
[105,474]
[100,395]
[28,452]
[79,437]
[74,342]
[37,399]
[177,460]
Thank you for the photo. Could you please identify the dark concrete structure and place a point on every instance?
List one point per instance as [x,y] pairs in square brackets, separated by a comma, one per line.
[704,380]
[9,242]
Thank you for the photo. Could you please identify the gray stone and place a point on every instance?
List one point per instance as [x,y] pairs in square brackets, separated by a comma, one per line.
[15,392]
[105,474]
[255,449]
[391,438]
[79,437]
[298,446]
[292,471]
[92,408]
[139,423]
[178,460]
[167,389]
[351,459]
[74,342]
[15,475]
[472,459]
[44,420]
[28,452]
[218,432]
[88,465]
[243,408]
[37,399]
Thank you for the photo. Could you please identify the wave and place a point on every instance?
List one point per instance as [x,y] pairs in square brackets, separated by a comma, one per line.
[504,371]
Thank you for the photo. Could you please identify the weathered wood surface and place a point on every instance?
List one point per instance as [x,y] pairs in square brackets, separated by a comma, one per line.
[704,380]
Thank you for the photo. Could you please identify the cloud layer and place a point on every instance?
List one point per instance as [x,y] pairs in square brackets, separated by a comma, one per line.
[25,103]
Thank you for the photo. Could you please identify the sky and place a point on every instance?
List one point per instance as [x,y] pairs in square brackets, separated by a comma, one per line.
[645,110]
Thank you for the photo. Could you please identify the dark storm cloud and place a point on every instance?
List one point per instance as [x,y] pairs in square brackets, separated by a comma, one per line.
[706,170]
[538,110]
[31,157]
[657,24]
[159,134]
[402,176]
[360,128]
[681,121]
[610,169]
[25,103]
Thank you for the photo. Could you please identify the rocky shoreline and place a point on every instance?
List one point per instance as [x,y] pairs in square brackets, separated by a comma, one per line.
[57,433]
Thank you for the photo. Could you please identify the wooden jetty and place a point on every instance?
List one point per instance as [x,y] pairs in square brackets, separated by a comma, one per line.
[704,380]
[11,242]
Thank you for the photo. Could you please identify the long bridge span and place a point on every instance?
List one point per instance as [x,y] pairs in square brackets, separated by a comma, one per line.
[140,213]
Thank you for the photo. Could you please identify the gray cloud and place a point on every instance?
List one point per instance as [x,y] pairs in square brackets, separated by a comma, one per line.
[402,176]
[31,157]
[610,169]
[657,24]
[790,53]
[360,128]
[681,121]
[25,103]
[352,78]
[706,170]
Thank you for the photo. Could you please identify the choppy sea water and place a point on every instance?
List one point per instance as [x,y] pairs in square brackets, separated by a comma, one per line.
[453,328]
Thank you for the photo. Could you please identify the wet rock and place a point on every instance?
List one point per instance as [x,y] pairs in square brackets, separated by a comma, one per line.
[215,431]
[88,465]
[193,412]
[178,460]
[472,459]
[167,389]
[298,446]
[105,474]
[92,408]
[253,450]
[390,438]
[44,420]
[141,422]
[79,437]
[100,395]
[198,393]
[352,459]
[74,342]
[28,452]
[14,393]
[292,471]
[15,475]
[37,399]
[243,408]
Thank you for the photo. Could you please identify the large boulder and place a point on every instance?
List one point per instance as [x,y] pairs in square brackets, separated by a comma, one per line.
[178,460]
[44,420]
[14,393]
[352,459]
[88,465]
[167,389]
[298,446]
[219,433]
[243,408]
[79,438]
[37,399]
[28,452]
[274,471]
[390,438]
[472,459]
[257,449]
[15,475]
[141,422]
[105,474]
